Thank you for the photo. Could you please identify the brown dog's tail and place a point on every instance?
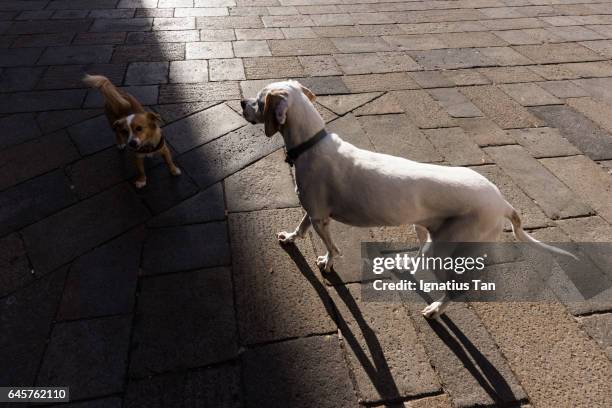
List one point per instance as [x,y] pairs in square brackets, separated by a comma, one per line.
[109,91]
[521,235]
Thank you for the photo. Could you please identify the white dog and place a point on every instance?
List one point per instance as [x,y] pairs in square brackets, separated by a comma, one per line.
[362,188]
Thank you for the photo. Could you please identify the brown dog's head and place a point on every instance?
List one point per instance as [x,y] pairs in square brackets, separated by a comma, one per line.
[272,102]
[140,129]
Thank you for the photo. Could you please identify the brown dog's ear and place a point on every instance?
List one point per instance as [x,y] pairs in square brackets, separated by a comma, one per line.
[311,96]
[154,119]
[117,123]
[275,111]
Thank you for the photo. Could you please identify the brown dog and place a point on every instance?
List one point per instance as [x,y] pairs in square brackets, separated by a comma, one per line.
[133,126]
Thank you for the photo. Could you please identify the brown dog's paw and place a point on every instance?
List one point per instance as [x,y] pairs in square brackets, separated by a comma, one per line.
[176,171]
[140,183]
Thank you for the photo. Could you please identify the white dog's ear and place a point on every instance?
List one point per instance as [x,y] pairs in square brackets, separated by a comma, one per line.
[311,96]
[275,111]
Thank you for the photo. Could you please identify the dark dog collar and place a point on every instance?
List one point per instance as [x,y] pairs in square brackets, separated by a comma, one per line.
[151,149]
[293,153]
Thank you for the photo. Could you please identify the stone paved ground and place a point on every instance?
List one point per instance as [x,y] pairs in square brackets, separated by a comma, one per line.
[179,295]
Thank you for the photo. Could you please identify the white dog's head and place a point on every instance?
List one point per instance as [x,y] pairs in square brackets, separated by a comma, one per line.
[279,103]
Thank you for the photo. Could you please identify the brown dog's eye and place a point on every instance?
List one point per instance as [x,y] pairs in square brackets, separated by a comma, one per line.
[138,128]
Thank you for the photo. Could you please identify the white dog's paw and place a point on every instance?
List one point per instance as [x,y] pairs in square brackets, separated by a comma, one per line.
[140,183]
[285,237]
[324,262]
[434,310]
[121,146]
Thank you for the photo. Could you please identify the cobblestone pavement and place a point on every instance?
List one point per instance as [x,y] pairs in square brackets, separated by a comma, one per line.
[179,295]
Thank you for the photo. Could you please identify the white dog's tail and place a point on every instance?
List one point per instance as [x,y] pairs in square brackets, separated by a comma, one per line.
[521,235]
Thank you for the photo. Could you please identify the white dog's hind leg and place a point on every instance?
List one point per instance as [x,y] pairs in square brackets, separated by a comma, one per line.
[326,261]
[430,249]
[285,237]
[478,228]
[437,308]
[422,234]
[423,237]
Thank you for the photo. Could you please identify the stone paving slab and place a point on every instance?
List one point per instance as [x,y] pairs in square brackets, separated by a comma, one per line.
[35,157]
[103,282]
[28,315]
[596,87]
[555,199]
[509,75]
[173,112]
[586,135]
[186,247]
[343,104]
[379,82]
[90,355]
[164,190]
[451,59]
[439,401]
[395,134]
[349,129]
[19,128]
[218,159]
[387,361]
[214,91]
[599,328]
[375,63]
[111,402]
[471,368]
[555,53]
[543,142]
[100,171]
[530,95]
[456,147]
[422,109]
[598,112]
[55,120]
[573,170]
[299,373]
[266,184]
[216,387]
[386,104]
[457,105]
[69,76]
[566,359]
[288,276]
[207,205]
[500,108]
[33,200]
[484,132]
[92,135]
[60,238]
[14,264]
[184,320]
[202,127]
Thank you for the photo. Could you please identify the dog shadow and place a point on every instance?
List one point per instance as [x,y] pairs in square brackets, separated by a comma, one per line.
[376,367]
[477,364]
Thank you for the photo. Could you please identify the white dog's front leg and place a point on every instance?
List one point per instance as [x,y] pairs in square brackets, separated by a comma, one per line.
[326,261]
[285,237]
